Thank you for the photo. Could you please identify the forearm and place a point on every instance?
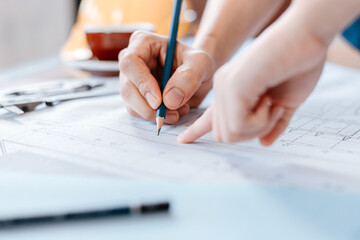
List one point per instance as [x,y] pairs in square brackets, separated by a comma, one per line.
[226,24]
[324,18]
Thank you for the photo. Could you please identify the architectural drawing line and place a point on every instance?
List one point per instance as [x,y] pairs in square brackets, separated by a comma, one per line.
[325,119]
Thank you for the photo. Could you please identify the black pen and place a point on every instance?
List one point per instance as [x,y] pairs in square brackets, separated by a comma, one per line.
[85,215]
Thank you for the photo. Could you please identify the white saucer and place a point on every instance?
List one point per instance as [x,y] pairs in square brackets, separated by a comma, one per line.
[96,67]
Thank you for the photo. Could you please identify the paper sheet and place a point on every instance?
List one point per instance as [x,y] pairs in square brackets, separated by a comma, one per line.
[98,137]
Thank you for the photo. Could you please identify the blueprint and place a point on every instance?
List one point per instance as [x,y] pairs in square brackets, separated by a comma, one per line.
[98,137]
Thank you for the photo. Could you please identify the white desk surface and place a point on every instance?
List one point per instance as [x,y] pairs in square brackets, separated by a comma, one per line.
[199,211]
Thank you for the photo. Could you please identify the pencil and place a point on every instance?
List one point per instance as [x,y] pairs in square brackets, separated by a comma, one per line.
[169,60]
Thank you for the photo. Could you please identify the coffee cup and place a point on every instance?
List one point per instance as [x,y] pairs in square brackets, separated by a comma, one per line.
[106,42]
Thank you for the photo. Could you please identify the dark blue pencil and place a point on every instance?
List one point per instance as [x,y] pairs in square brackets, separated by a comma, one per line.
[169,60]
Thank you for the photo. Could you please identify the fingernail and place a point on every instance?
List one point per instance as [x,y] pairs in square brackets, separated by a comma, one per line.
[175,97]
[172,117]
[151,100]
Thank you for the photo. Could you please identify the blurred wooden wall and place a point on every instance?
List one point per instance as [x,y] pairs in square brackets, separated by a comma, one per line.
[33,29]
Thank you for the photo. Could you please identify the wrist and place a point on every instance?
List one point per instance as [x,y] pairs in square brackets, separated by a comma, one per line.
[209,44]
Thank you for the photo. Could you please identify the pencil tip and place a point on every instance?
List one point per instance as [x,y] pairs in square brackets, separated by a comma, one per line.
[159,124]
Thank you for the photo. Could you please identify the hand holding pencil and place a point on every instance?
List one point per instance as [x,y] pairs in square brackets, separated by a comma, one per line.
[141,67]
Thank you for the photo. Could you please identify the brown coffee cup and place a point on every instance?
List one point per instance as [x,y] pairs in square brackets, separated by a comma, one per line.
[106,42]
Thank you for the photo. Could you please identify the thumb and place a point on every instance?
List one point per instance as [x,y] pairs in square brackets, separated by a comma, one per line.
[199,128]
[187,79]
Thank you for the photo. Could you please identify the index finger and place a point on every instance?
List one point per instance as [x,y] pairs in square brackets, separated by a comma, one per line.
[199,128]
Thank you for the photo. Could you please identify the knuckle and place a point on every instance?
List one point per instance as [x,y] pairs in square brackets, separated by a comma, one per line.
[125,61]
[192,76]
[140,35]
[240,132]
[121,53]
[136,35]
[142,86]
[124,89]
[233,130]
[236,128]
[229,138]
[146,37]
